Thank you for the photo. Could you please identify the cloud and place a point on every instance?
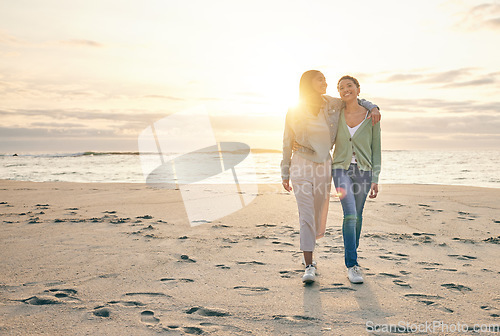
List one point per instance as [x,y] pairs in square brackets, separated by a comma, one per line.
[448,79]
[35,133]
[424,106]
[475,82]
[55,125]
[445,77]
[114,118]
[483,124]
[82,43]
[483,16]
[433,77]
[493,23]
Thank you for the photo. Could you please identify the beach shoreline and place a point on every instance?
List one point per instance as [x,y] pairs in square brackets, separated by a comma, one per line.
[122,259]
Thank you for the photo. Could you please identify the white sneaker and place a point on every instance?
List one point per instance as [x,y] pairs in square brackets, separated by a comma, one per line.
[309,275]
[354,274]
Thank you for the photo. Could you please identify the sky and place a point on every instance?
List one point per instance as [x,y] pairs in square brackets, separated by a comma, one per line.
[92,75]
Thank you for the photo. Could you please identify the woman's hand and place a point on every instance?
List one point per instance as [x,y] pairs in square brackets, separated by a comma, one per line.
[374,190]
[375,116]
[286,185]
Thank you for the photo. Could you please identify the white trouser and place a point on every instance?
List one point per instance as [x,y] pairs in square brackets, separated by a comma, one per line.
[311,183]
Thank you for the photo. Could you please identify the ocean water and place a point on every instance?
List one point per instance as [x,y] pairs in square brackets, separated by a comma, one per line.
[479,168]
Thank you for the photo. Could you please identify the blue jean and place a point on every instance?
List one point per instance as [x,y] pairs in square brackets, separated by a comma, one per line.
[353,185]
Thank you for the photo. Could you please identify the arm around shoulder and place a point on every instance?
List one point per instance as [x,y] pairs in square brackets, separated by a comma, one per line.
[367,104]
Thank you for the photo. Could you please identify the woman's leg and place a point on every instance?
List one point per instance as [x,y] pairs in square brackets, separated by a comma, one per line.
[300,174]
[322,182]
[361,188]
[344,186]
[308,257]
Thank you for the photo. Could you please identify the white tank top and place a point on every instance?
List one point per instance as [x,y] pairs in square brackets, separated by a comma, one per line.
[353,130]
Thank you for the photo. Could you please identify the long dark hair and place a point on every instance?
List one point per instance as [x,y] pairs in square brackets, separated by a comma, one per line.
[306,92]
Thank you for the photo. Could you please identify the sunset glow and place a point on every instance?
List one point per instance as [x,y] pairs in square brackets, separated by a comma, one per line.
[90,75]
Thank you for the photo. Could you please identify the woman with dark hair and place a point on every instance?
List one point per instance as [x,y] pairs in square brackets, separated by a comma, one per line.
[355,169]
[310,131]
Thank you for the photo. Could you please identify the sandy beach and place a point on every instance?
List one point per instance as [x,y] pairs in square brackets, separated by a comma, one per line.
[121,259]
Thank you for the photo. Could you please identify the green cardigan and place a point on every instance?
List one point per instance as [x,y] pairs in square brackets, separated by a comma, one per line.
[365,143]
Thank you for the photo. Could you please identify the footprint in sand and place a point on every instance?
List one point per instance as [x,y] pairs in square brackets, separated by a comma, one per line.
[153,294]
[395,204]
[394,256]
[282,243]
[464,240]
[173,280]
[462,257]
[434,210]
[401,283]
[193,330]
[41,300]
[249,290]
[119,220]
[426,263]
[41,206]
[222,266]
[53,296]
[294,318]
[148,317]
[101,311]
[390,275]
[128,303]
[487,308]
[423,296]
[493,240]
[457,287]
[206,311]
[288,274]
[145,217]
[253,262]
[423,234]
[34,220]
[466,215]
[185,258]
[429,300]
[64,294]
[230,241]
[219,226]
